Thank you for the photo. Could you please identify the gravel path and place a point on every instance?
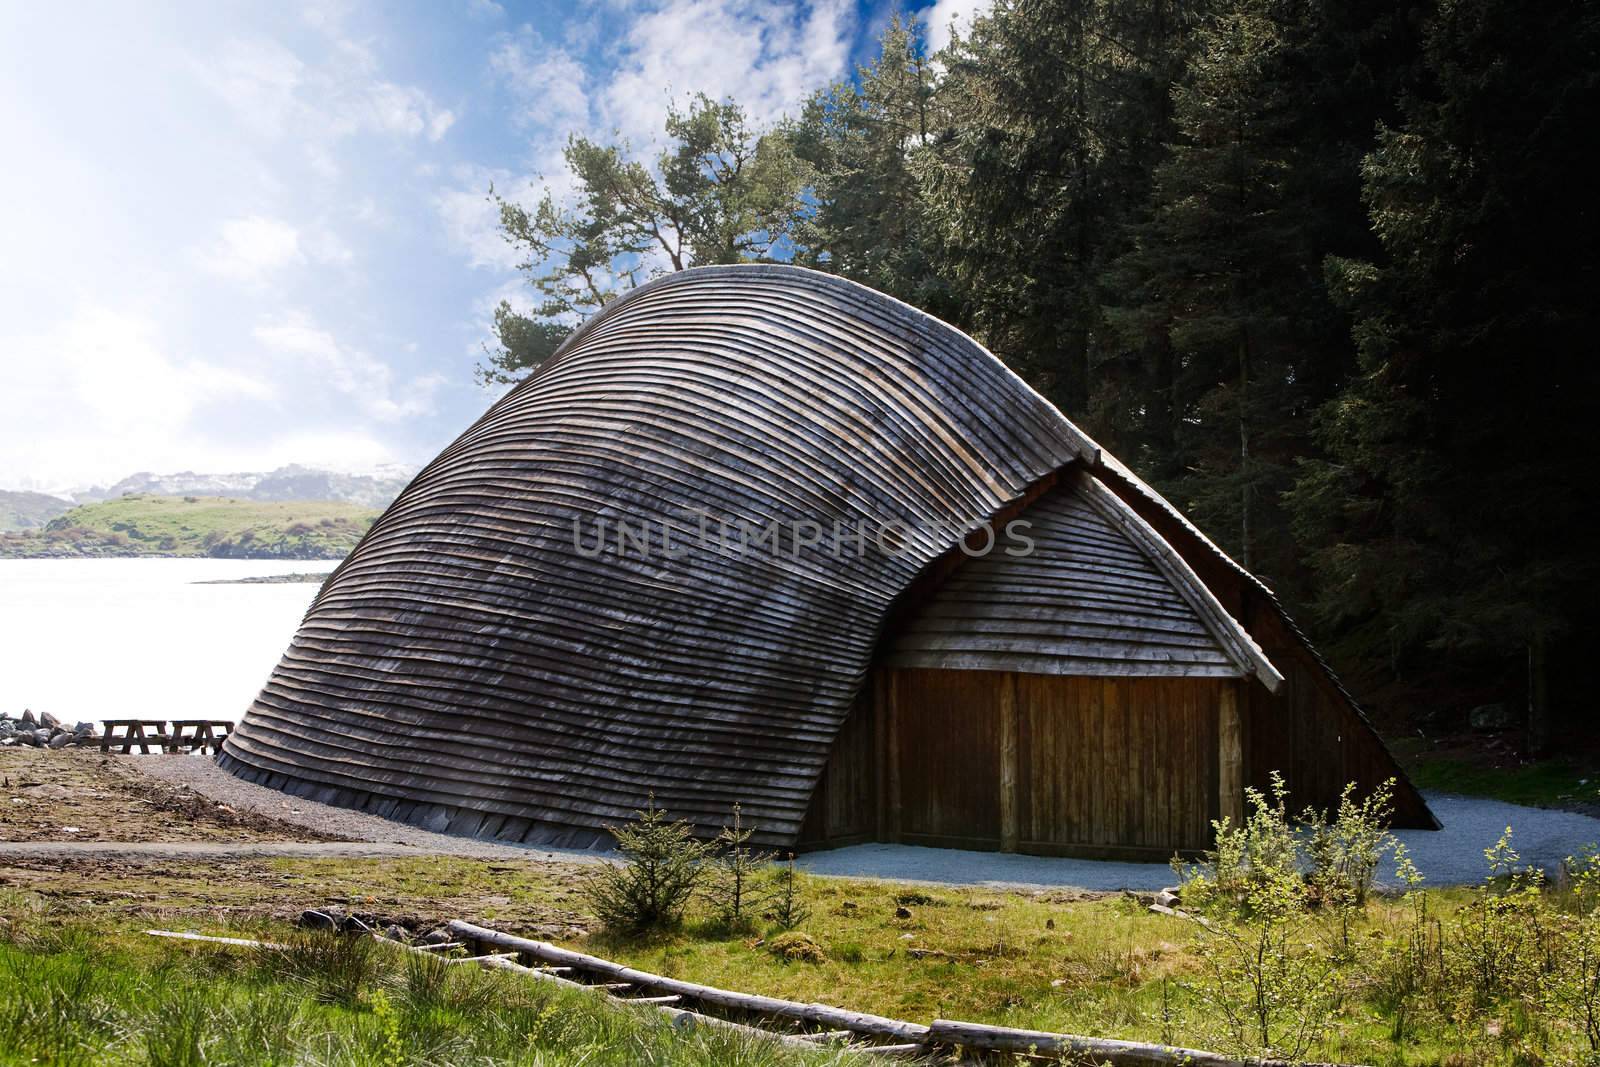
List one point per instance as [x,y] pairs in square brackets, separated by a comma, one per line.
[1452,856]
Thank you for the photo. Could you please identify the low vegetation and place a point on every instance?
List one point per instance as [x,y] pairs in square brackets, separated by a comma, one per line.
[1570,780]
[1281,947]
[1321,940]
[77,994]
[221,527]
[28,511]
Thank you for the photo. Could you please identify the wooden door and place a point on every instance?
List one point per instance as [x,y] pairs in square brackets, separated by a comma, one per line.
[947,741]
[1117,766]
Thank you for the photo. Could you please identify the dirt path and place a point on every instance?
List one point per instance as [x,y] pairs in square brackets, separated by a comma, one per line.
[80,795]
[231,850]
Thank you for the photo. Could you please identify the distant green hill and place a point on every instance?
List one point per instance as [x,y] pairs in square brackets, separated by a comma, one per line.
[28,511]
[145,525]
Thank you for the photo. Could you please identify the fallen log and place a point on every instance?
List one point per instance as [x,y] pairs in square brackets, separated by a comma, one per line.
[817,1014]
[978,1036]
[1162,909]
[236,942]
[681,1019]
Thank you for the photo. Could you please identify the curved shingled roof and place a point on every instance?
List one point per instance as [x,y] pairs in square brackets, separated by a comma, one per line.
[472,665]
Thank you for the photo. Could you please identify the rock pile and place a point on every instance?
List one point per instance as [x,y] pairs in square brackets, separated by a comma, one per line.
[45,731]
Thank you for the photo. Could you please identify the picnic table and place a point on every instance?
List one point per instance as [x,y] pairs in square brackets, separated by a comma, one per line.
[183,735]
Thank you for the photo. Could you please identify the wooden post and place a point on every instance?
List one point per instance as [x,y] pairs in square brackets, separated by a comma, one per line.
[1230,756]
[880,748]
[891,737]
[1010,814]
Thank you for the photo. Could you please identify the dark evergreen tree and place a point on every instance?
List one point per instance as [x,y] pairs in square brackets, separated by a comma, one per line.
[1221,273]
[867,218]
[1451,525]
[1054,111]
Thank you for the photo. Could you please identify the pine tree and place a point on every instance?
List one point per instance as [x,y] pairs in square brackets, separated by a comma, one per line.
[860,138]
[721,192]
[1450,525]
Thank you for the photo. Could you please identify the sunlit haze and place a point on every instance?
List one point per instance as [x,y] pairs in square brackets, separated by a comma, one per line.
[242,236]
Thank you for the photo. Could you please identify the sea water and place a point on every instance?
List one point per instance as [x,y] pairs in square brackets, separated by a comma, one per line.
[91,639]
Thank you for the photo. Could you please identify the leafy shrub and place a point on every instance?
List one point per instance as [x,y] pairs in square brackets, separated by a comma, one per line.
[1270,986]
[662,865]
[1261,852]
[1345,851]
[1493,955]
[1270,989]
[1572,994]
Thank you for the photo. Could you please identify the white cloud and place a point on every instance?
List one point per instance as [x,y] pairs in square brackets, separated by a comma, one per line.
[363,378]
[251,248]
[101,395]
[254,248]
[944,13]
[472,220]
[547,83]
[758,53]
[399,109]
[279,95]
[259,79]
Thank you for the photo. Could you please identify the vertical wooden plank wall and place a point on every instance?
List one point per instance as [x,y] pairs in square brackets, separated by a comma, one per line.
[1045,764]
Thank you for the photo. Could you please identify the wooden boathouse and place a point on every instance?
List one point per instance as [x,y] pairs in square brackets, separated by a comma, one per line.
[486,662]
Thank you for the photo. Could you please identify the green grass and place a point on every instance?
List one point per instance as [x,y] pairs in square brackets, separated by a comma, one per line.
[145,525]
[78,992]
[1549,783]
[1057,961]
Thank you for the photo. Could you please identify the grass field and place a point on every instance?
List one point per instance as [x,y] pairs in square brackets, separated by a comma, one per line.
[1065,961]
[82,992]
[142,525]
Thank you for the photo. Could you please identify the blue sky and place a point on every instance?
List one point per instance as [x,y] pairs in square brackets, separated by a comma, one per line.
[247,235]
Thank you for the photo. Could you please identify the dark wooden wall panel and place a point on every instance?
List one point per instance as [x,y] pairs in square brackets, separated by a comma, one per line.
[1313,734]
[1114,767]
[844,807]
[1112,764]
[1312,730]
[949,755]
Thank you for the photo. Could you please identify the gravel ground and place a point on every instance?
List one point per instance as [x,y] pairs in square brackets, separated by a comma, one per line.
[202,774]
[1452,856]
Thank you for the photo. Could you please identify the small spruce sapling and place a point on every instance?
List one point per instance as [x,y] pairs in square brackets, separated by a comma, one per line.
[662,865]
[788,909]
[734,890]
